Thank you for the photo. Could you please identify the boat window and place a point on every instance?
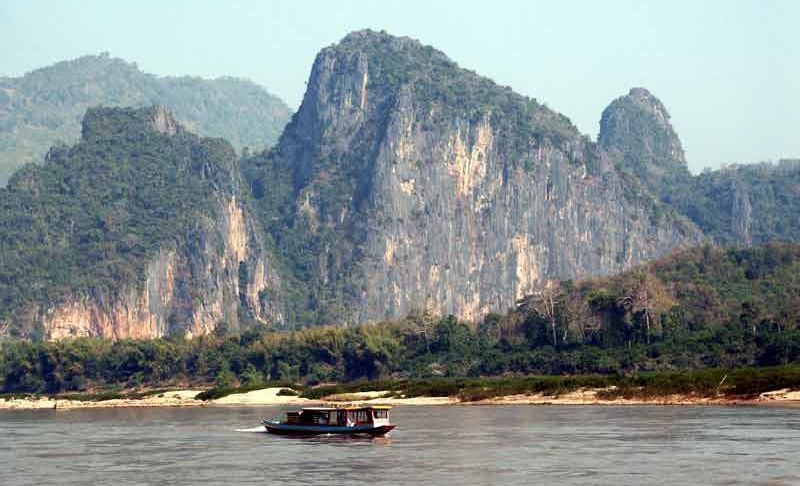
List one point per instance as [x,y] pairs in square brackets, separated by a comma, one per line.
[360,416]
[380,414]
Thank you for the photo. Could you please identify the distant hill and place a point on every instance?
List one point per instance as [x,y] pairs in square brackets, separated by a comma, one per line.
[46,106]
[745,205]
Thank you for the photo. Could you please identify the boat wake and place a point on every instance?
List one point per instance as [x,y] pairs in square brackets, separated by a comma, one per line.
[260,428]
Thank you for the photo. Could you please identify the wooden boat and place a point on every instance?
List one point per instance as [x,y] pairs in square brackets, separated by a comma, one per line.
[372,420]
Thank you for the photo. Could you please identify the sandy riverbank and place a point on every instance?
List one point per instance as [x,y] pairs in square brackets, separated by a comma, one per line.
[270,396]
[186,398]
[578,397]
[784,397]
[177,398]
[380,396]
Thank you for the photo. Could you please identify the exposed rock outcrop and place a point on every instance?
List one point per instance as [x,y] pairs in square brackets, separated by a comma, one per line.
[219,271]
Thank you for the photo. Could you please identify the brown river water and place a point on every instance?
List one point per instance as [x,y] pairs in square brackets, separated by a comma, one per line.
[462,445]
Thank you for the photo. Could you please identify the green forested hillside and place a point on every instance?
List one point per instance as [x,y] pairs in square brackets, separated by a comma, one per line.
[696,309]
[743,204]
[90,216]
[46,106]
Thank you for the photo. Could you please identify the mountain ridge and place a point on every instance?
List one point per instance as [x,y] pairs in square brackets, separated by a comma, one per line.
[45,106]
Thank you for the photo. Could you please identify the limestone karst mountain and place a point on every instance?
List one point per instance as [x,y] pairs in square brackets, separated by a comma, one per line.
[405,182]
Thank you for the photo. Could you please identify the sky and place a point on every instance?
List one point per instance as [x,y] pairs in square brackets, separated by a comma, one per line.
[728,71]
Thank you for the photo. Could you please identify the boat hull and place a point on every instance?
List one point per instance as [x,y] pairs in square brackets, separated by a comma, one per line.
[287,429]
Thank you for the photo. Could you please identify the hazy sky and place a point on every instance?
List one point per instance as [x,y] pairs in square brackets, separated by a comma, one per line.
[729,72]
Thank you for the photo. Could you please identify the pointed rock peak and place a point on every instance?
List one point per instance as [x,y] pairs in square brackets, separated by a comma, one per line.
[365,35]
[640,93]
[109,122]
[394,53]
[638,103]
[370,37]
[635,129]
[367,68]
[648,102]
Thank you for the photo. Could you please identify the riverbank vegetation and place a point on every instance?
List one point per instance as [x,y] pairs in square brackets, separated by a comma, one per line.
[742,382]
[704,309]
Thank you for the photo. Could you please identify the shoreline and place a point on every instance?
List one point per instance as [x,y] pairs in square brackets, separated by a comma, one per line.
[270,397]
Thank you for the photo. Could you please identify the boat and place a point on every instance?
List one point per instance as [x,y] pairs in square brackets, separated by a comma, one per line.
[347,420]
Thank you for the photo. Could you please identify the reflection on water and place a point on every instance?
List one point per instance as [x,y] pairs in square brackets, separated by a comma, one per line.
[512,445]
[334,439]
[259,429]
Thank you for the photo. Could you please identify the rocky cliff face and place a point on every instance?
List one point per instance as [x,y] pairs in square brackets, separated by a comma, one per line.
[416,184]
[158,240]
[192,287]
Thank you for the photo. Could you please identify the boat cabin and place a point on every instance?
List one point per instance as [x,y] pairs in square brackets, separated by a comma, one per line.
[375,415]
[351,420]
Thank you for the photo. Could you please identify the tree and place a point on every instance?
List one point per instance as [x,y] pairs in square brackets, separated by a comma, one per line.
[643,296]
[580,316]
[545,303]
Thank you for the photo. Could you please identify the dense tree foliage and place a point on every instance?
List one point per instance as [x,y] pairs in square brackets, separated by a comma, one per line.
[46,105]
[701,308]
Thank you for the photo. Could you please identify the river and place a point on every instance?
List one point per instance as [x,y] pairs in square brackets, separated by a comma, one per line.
[463,445]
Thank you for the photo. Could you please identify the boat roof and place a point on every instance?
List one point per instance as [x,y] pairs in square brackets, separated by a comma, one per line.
[347,407]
